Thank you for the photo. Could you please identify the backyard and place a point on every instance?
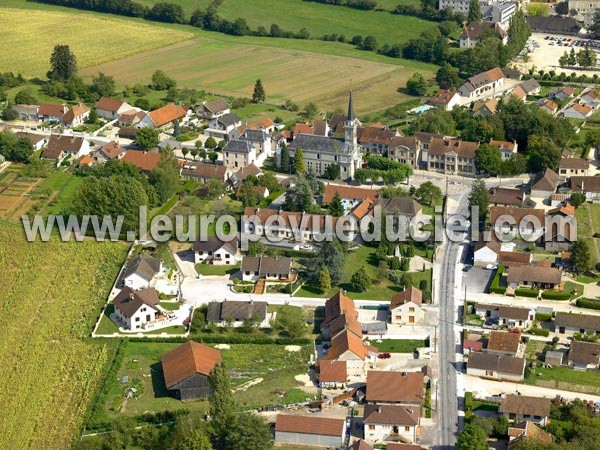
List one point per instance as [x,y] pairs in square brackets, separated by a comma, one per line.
[400,345]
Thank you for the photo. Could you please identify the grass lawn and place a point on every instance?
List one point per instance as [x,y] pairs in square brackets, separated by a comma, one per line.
[534,348]
[584,225]
[211,269]
[170,306]
[276,366]
[586,279]
[574,289]
[107,326]
[480,405]
[400,345]
[65,184]
[565,378]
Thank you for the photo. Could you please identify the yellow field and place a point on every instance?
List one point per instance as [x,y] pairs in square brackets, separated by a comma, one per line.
[28,37]
[50,294]
[231,69]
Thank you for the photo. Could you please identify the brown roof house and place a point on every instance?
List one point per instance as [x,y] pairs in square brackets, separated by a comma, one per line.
[405,307]
[38,141]
[584,355]
[140,272]
[339,313]
[483,84]
[515,317]
[526,431]
[519,407]
[384,423]
[332,374]
[474,32]
[485,108]
[213,250]
[110,108]
[374,139]
[136,310]
[501,196]
[577,111]
[163,116]
[571,323]
[76,116]
[350,196]
[451,156]
[406,150]
[109,151]
[504,343]
[233,313]
[348,346]
[143,160]
[524,222]
[569,167]
[535,277]
[393,387]
[64,146]
[204,172]
[496,366]
[48,112]
[213,109]
[316,431]
[445,99]
[270,268]
[589,186]
[186,370]
[547,105]
[544,184]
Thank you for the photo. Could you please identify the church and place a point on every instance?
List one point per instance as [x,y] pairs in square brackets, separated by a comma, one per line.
[322,151]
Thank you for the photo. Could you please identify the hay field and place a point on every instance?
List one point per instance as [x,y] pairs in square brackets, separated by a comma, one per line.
[30,35]
[50,294]
[231,69]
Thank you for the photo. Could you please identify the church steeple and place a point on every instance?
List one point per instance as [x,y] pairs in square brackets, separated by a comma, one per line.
[350,132]
[350,108]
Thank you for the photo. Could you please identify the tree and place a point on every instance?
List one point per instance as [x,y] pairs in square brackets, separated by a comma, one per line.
[361,280]
[165,179]
[93,117]
[146,138]
[248,431]
[63,64]
[103,85]
[162,82]
[14,148]
[515,165]
[577,199]
[258,96]
[586,58]
[332,172]
[299,161]
[580,256]
[562,8]
[10,114]
[369,44]
[324,283]
[215,189]
[435,121]
[331,255]
[447,76]
[542,152]
[210,143]
[429,193]
[190,433]
[256,249]
[416,85]
[572,59]
[479,198]
[300,197]
[309,111]
[474,11]
[290,322]
[248,195]
[25,97]
[176,128]
[336,208]
[563,61]
[488,159]
[472,437]
[221,405]
[595,26]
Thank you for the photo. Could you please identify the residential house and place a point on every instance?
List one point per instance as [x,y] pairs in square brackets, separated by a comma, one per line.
[131,117]
[143,160]
[516,317]
[313,430]
[530,86]
[562,93]
[27,112]
[51,113]
[584,355]
[517,408]
[517,92]
[535,277]
[511,259]
[62,146]
[213,109]
[349,347]
[524,222]
[237,154]
[544,184]
[110,108]
[235,313]
[140,272]
[186,370]
[405,150]
[526,431]
[224,127]
[268,125]
[570,323]
[553,25]
[376,139]
[350,196]
[482,84]
[547,105]
[485,108]
[303,128]
[339,306]
[134,310]
[267,267]
[445,99]
[474,32]
[568,167]
[496,366]
[470,346]
[501,196]
[163,117]
[38,141]
[261,141]
[406,307]
[332,374]
[204,172]
[452,156]
[360,444]
[507,149]
[394,387]
[128,133]
[402,209]
[486,253]
[589,186]
[109,151]
[504,343]
[384,423]
[215,251]
[577,111]
[561,228]
[590,98]
[76,116]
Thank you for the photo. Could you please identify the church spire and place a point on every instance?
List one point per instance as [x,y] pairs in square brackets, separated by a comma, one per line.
[350,108]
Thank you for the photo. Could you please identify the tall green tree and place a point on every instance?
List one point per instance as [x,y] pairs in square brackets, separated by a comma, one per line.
[285,158]
[542,152]
[361,280]
[248,431]
[488,160]
[248,195]
[103,85]
[336,208]
[474,11]
[447,76]
[331,255]
[472,437]
[258,95]
[479,198]
[63,64]
[161,81]
[165,179]
[221,405]
[299,165]
[429,193]
[146,138]
[25,97]
[580,256]
[416,85]
[14,148]
[324,280]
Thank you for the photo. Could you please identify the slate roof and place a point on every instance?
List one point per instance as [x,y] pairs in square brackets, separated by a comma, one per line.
[391,415]
[394,386]
[213,243]
[580,321]
[498,363]
[312,142]
[251,135]
[144,265]
[129,301]
[236,311]
[521,404]
[229,119]
[237,146]
[584,352]
[324,426]
[188,359]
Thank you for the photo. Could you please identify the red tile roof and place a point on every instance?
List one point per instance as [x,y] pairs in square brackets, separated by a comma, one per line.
[146,161]
[325,426]
[332,371]
[109,104]
[188,359]
[392,386]
[167,114]
[411,294]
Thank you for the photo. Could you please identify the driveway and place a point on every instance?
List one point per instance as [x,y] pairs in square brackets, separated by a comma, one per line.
[476,280]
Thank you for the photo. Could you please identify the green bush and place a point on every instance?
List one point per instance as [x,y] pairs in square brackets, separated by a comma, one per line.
[495,287]
[469,400]
[543,317]
[590,303]
[553,295]
[539,331]
[525,292]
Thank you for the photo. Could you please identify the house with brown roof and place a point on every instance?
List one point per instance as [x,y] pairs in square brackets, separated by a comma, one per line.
[485,108]
[349,195]
[517,408]
[544,184]
[584,355]
[526,431]
[360,444]
[571,323]
[110,108]
[163,117]
[501,196]
[76,116]
[146,161]
[535,277]
[499,367]
[63,146]
[507,149]
[339,305]
[589,186]
[204,172]
[406,150]
[131,117]
[451,156]
[233,313]
[349,347]
[590,98]
[213,109]
[213,250]
[48,112]
[473,33]
[516,317]
[445,99]
[332,374]
[38,141]
[504,343]
[135,310]
[269,268]
[385,423]
[562,93]
[186,370]
[374,139]
[237,178]
[314,430]
[569,167]
[406,307]
[394,387]
[482,84]
[547,105]
[109,151]
[141,271]
[577,111]
[524,222]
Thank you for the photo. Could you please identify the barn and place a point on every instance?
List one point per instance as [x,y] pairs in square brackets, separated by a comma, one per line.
[312,430]
[186,370]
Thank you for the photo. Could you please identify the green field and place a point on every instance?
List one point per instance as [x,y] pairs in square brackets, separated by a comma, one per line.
[51,293]
[210,269]
[565,378]
[400,345]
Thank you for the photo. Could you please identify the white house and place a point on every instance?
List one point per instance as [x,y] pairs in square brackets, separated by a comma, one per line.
[484,84]
[496,366]
[213,109]
[520,407]
[238,154]
[141,271]
[217,252]
[76,116]
[38,141]
[267,267]
[391,422]
[577,111]
[65,145]
[406,307]
[110,108]
[349,347]
[584,355]
[313,430]
[445,99]
[224,127]
[134,310]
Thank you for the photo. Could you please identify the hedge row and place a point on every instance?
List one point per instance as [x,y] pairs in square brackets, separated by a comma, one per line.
[553,295]
[495,287]
[524,292]
[590,303]
[543,317]
[539,331]
[227,339]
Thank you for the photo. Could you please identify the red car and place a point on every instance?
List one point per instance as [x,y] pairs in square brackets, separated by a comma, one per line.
[385,355]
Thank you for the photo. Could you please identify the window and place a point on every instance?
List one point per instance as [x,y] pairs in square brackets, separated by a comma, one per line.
[411,309]
[406,428]
[371,427]
[148,318]
[137,319]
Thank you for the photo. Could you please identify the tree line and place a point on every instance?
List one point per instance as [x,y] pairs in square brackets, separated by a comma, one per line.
[366,5]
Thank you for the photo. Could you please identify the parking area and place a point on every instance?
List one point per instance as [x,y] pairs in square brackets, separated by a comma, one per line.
[476,279]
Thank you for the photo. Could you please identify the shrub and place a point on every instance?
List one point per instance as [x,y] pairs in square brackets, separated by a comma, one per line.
[543,317]
[525,292]
[495,285]
[590,303]
[539,331]
[553,295]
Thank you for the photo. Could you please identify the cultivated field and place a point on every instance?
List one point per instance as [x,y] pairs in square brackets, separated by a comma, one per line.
[231,68]
[15,194]
[50,295]
[30,35]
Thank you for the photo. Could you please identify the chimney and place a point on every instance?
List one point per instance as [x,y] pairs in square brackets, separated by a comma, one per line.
[379,409]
